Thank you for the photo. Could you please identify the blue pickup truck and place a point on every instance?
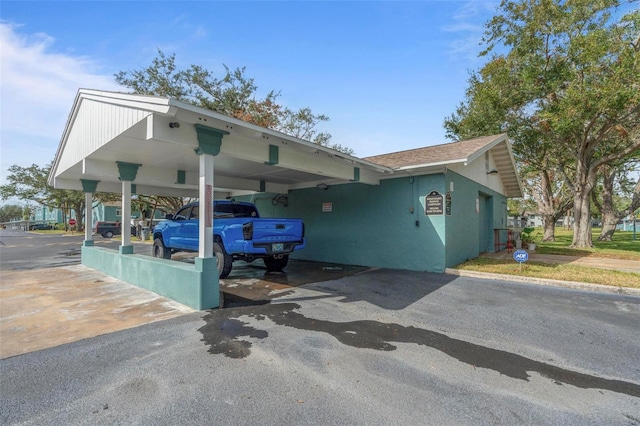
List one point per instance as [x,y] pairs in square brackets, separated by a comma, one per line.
[239,233]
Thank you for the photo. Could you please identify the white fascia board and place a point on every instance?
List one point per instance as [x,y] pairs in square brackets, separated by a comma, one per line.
[428,165]
[65,134]
[487,147]
[269,133]
[144,102]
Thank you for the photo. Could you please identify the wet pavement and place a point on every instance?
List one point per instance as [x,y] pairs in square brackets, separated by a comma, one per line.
[252,282]
[232,338]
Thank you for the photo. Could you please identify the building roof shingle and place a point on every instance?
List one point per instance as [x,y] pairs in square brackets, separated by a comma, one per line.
[436,154]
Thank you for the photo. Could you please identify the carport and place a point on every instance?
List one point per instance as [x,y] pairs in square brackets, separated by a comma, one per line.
[136,144]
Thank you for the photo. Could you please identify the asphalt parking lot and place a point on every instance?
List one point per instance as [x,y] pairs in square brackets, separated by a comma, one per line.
[368,347]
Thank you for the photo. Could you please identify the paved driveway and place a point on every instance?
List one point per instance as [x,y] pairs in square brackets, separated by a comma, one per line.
[380,347]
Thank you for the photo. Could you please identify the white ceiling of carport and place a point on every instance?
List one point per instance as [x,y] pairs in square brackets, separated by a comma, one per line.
[105,127]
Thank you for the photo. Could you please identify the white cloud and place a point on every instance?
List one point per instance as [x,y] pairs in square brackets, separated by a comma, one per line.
[38,85]
[468,23]
[37,89]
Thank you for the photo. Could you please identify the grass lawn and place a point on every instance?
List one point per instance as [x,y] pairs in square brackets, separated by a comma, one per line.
[623,246]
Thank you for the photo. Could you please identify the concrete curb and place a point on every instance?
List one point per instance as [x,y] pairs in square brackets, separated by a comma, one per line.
[547,282]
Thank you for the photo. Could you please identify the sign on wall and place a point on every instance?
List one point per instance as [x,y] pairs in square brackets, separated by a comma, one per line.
[327,207]
[434,204]
[447,204]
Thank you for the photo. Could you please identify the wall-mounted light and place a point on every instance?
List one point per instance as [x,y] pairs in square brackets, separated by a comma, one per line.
[492,172]
[174,125]
[322,186]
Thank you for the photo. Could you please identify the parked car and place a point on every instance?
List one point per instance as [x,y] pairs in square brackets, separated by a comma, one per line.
[40,227]
[239,233]
[109,229]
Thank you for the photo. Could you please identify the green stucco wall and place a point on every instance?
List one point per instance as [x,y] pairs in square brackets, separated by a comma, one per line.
[197,287]
[374,226]
[380,226]
[470,232]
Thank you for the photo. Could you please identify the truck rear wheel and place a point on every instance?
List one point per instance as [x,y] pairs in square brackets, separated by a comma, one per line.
[225,261]
[160,250]
[274,264]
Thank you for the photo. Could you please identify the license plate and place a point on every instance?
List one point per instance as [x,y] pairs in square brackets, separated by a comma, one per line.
[277,247]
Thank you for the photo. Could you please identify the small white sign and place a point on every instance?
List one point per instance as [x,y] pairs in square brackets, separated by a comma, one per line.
[327,207]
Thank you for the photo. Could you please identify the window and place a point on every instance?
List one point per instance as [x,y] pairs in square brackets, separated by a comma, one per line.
[118,212]
[235,210]
[182,214]
[195,213]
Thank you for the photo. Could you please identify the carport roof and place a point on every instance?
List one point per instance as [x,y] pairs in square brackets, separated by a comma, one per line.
[159,134]
[458,152]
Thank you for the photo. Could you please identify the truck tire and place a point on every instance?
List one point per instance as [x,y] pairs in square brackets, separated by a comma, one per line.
[225,261]
[108,234]
[274,264]
[160,250]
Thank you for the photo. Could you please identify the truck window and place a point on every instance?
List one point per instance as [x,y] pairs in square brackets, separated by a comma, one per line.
[194,213]
[182,214]
[235,210]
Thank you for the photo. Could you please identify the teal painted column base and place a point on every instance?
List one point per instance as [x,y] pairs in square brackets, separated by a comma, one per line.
[87,243]
[126,249]
[195,286]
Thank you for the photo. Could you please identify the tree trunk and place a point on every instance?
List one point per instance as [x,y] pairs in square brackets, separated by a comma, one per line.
[608,228]
[79,208]
[582,222]
[549,227]
[611,216]
[606,208]
[582,217]
[585,181]
[551,199]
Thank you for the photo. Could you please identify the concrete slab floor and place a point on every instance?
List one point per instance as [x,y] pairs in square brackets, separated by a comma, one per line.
[43,308]
[251,281]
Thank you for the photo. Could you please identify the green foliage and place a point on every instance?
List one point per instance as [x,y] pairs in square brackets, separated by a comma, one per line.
[530,235]
[27,211]
[234,95]
[30,184]
[565,89]
[10,212]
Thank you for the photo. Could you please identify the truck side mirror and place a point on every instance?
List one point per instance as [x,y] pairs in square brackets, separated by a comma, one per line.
[168,216]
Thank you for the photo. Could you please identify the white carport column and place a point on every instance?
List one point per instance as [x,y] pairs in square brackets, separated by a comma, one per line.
[128,173]
[209,142]
[89,188]
[205,248]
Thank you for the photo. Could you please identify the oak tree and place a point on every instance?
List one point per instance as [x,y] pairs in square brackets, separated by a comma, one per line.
[563,82]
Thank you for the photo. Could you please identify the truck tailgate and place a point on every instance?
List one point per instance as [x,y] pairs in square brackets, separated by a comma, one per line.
[266,230]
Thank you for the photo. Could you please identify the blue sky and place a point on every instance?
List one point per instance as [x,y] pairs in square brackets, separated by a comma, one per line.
[386,73]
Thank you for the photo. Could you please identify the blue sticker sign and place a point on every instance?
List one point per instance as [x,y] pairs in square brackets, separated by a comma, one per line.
[520,256]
